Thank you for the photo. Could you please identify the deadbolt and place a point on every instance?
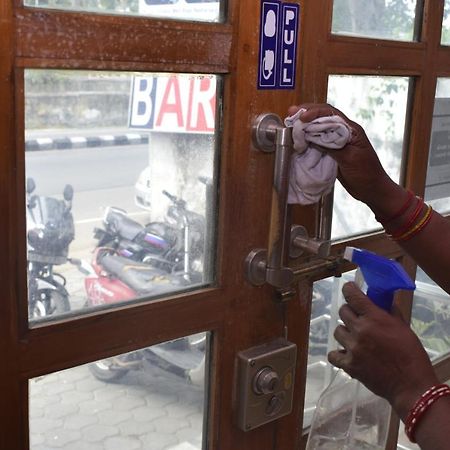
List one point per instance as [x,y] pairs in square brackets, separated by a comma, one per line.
[265,381]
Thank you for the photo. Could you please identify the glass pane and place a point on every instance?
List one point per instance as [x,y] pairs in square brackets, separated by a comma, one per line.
[150,399]
[445,38]
[383,19]
[193,10]
[431,316]
[438,173]
[121,183]
[326,301]
[379,104]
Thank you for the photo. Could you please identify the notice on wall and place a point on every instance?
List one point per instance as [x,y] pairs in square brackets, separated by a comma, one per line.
[278,38]
[438,173]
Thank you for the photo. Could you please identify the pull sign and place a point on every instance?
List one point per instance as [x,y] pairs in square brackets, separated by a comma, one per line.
[278,44]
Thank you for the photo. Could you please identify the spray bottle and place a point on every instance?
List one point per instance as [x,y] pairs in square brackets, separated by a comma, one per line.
[349,416]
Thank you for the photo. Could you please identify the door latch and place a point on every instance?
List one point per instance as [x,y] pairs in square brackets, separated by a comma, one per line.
[265,383]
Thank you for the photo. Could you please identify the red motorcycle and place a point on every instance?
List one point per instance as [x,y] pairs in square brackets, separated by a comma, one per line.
[112,278]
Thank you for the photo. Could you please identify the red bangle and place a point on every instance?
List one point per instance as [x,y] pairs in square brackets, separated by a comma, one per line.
[421,406]
[403,229]
[397,214]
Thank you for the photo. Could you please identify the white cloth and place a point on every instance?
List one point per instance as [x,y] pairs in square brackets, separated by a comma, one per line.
[313,172]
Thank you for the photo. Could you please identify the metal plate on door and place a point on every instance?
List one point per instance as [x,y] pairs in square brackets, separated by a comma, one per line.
[265,383]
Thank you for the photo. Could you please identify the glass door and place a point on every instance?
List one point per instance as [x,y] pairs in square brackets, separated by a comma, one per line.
[134,194]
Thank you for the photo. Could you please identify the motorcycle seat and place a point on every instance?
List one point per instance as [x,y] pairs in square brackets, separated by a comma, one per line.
[140,277]
[124,225]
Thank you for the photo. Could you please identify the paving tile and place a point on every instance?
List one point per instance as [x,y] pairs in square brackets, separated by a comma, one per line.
[109,392]
[145,413]
[169,424]
[136,429]
[97,433]
[82,445]
[157,441]
[114,417]
[43,425]
[76,397]
[60,437]
[80,421]
[121,443]
[127,403]
[94,407]
[59,410]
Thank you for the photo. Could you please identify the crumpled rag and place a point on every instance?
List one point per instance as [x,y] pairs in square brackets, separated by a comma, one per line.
[314,172]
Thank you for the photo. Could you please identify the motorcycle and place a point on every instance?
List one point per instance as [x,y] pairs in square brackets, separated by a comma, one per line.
[174,246]
[112,278]
[50,230]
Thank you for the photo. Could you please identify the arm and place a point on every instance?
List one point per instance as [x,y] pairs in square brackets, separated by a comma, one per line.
[362,174]
[381,351]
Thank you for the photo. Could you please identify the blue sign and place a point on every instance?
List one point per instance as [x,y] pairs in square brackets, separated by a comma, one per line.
[278,44]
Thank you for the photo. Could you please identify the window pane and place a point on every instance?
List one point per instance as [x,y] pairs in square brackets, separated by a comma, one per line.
[445,39]
[194,10]
[438,173]
[150,399]
[383,19]
[379,104]
[120,174]
[431,316]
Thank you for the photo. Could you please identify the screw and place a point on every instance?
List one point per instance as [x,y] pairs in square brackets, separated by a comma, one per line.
[252,363]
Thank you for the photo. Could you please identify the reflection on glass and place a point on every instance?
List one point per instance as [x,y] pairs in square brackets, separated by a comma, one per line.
[438,172]
[445,38]
[151,399]
[379,104]
[326,301]
[431,316]
[385,19]
[194,10]
[120,187]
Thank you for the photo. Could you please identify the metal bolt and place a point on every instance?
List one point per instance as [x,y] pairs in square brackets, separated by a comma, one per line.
[252,363]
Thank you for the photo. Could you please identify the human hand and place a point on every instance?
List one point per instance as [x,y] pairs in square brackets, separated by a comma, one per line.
[360,170]
[381,351]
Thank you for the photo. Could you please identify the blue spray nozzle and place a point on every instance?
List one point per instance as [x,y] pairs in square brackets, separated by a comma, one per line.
[383,276]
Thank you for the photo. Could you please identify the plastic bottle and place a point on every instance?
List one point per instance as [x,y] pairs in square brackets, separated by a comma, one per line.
[348,416]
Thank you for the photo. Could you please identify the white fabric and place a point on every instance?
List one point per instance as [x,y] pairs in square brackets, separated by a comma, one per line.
[313,172]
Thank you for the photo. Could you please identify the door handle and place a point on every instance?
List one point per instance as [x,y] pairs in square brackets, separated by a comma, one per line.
[270,135]
[270,266]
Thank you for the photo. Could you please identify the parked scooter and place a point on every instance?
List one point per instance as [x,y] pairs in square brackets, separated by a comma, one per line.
[50,230]
[112,278]
[174,246]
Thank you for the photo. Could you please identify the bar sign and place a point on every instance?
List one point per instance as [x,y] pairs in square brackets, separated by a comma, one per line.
[278,45]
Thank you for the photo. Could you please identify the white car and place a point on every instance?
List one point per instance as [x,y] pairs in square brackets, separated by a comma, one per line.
[142,196]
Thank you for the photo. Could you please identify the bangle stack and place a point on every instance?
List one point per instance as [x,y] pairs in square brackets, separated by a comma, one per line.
[421,406]
[414,223]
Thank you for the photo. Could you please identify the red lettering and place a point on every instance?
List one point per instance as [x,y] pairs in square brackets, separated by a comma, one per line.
[171,106]
[202,105]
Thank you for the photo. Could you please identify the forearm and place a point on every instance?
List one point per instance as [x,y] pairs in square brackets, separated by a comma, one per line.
[432,431]
[430,248]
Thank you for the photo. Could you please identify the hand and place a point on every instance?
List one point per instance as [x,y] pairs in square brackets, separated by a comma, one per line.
[360,170]
[381,351]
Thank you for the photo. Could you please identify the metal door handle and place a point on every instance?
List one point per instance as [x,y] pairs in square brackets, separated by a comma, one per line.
[270,266]
[269,134]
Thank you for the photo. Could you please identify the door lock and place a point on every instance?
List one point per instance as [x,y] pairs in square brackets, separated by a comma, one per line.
[265,383]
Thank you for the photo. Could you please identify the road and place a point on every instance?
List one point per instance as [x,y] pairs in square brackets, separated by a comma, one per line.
[100,177]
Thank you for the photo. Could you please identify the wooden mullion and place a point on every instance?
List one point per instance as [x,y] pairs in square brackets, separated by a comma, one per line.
[373,56]
[11,414]
[78,40]
[423,103]
[125,328]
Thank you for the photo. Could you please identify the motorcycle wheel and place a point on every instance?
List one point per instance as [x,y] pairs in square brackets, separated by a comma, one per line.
[49,302]
[105,370]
